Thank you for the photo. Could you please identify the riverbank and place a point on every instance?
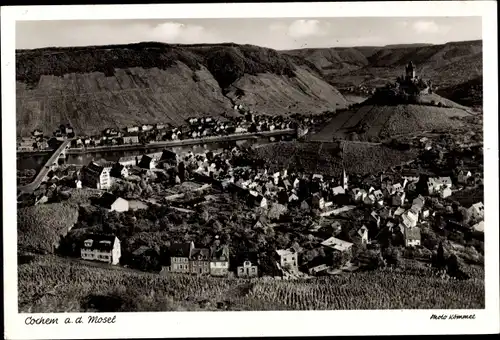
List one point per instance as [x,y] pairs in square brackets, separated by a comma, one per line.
[163,144]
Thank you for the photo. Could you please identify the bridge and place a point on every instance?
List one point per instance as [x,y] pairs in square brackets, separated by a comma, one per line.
[49,165]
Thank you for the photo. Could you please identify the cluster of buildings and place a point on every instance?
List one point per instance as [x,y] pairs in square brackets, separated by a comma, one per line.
[194,128]
[181,258]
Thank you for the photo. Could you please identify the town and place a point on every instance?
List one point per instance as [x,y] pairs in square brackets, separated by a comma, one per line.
[244,122]
[355,223]
[292,197]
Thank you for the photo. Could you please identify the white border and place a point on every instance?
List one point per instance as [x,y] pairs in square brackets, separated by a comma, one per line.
[206,324]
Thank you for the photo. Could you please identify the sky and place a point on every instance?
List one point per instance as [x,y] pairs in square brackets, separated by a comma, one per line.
[280,34]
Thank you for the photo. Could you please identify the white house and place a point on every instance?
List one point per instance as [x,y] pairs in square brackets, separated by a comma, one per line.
[477,211]
[412,236]
[445,192]
[363,233]
[113,203]
[479,226]
[410,218]
[102,248]
[338,190]
[96,176]
[132,129]
[289,259]
[337,244]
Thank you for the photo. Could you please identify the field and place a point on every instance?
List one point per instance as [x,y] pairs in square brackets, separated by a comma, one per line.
[40,227]
[326,157]
[388,121]
[57,285]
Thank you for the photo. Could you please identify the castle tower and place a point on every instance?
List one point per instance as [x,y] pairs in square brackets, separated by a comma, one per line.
[410,71]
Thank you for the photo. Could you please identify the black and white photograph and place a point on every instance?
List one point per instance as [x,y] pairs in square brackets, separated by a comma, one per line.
[232,164]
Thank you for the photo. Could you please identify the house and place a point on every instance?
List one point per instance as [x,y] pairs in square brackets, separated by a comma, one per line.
[412,236]
[147,127]
[318,202]
[369,199]
[112,203]
[180,253]
[147,162]
[119,171]
[199,261]
[78,184]
[410,176]
[96,176]
[338,190]
[409,218]
[363,233]
[337,244]
[397,188]
[399,211]
[479,226]
[104,248]
[446,181]
[128,161]
[160,126]
[37,133]
[435,185]
[418,203]
[130,139]
[477,211]
[318,269]
[398,199]
[358,195]
[463,176]
[289,259]
[219,259]
[168,158]
[378,195]
[247,268]
[445,192]
[131,129]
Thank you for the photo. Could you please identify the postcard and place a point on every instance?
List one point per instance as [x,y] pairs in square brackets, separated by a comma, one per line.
[214,170]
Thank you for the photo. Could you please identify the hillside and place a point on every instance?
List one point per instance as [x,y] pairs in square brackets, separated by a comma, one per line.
[372,122]
[40,227]
[469,93]
[114,86]
[447,64]
[59,285]
[328,157]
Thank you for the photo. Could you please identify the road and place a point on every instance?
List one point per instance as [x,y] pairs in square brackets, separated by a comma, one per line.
[184,142]
[29,188]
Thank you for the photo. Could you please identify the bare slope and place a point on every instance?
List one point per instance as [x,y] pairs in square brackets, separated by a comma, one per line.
[113,86]
[370,122]
[447,64]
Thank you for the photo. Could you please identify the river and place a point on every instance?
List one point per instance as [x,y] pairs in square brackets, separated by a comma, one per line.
[37,161]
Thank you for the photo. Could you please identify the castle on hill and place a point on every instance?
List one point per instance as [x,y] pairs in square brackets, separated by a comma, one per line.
[411,84]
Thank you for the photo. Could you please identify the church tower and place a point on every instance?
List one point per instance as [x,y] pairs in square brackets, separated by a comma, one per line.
[344,180]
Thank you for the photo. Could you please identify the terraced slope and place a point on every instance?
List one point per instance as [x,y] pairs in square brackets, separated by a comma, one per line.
[114,86]
[328,158]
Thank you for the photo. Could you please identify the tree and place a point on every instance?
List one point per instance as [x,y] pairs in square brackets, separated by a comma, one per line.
[440,261]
